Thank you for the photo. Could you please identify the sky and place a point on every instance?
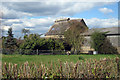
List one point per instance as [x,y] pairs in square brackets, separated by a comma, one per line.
[39,16]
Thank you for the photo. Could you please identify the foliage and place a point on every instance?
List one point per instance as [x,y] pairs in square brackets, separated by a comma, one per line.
[73,35]
[9,43]
[3,41]
[101,44]
[97,40]
[29,44]
[107,48]
[105,68]
[25,31]
[34,42]
[30,41]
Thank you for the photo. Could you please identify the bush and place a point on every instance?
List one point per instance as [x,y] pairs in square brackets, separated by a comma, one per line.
[101,44]
[34,42]
[107,48]
[97,40]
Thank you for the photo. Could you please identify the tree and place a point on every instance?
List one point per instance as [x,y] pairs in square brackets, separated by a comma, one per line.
[10,42]
[101,44]
[108,48]
[97,40]
[34,42]
[73,35]
[25,31]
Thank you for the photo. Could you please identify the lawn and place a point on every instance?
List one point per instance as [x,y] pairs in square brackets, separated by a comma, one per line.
[20,59]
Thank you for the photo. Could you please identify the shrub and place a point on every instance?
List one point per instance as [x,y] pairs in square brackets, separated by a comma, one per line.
[101,44]
[107,48]
[97,39]
[34,42]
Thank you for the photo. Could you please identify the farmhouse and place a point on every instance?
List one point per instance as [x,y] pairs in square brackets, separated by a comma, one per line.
[62,25]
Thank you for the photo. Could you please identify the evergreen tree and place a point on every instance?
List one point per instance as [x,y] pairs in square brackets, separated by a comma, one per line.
[10,43]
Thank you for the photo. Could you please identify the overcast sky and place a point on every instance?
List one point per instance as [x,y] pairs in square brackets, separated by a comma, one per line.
[40,15]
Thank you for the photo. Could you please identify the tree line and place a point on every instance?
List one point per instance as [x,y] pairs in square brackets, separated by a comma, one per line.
[72,42]
[31,42]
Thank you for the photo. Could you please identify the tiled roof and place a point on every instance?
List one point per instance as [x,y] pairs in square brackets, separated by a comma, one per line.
[110,30]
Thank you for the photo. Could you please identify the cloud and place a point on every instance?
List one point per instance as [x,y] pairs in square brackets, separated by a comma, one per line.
[39,26]
[101,23]
[9,13]
[105,10]
[42,25]
[59,0]
[39,16]
[14,10]
[5,27]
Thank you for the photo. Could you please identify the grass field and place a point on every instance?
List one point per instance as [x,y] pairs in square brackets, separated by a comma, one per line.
[46,59]
[77,66]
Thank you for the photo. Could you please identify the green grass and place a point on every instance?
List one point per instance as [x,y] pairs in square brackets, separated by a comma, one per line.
[20,59]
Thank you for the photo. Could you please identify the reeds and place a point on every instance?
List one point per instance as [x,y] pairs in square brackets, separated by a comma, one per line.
[104,68]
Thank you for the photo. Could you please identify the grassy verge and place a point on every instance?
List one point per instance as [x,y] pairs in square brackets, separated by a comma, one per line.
[20,59]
